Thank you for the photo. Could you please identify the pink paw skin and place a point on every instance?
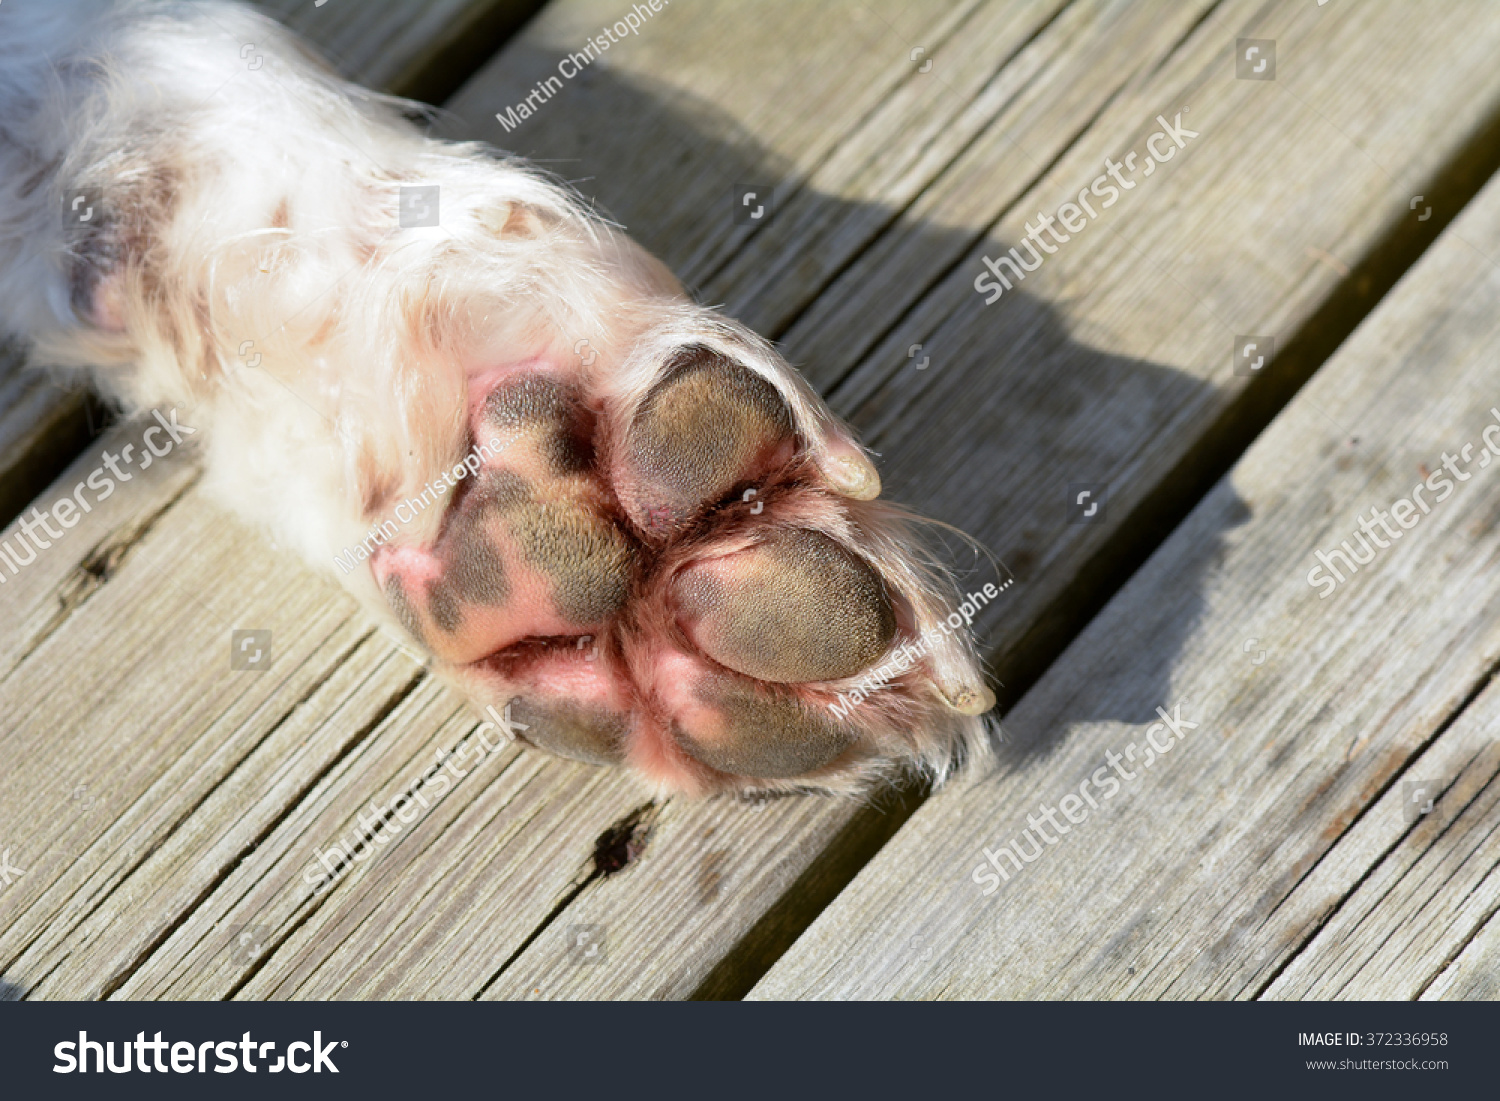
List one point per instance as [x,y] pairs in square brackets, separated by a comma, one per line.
[673,583]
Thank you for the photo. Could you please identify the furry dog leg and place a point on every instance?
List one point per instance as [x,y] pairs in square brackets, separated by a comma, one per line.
[497,420]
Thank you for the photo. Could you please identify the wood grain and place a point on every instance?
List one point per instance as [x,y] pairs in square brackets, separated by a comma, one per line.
[1475,975]
[127,715]
[1215,866]
[1426,897]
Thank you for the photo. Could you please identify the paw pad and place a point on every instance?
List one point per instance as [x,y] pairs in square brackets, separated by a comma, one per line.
[717,632]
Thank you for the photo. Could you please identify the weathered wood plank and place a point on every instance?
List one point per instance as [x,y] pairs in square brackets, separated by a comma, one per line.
[133,885]
[487,845]
[1125,375]
[1210,870]
[1164,371]
[1475,975]
[710,885]
[939,160]
[1419,903]
[34,601]
[123,714]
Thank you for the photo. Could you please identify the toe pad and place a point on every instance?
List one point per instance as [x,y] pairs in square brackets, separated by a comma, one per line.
[795,608]
[707,426]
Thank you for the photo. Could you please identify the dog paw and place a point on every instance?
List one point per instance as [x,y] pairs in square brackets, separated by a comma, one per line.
[678,566]
[664,554]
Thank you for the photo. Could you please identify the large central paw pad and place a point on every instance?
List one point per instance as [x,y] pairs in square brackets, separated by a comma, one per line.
[528,549]
[686,582]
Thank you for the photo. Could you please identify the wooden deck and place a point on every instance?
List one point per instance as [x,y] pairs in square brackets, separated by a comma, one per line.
[166,811]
